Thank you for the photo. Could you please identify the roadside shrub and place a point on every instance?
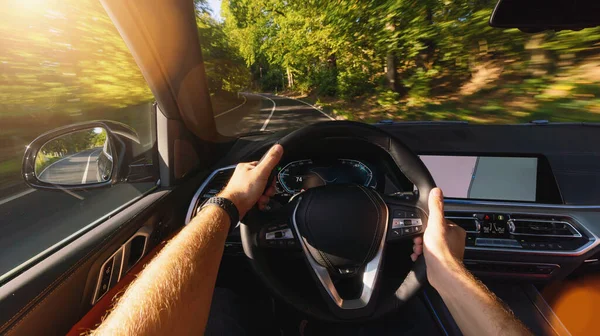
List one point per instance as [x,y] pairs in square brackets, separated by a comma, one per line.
[325,81]
[388,98]
[353,84]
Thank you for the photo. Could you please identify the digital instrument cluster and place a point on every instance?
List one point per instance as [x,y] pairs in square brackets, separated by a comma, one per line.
[300,175]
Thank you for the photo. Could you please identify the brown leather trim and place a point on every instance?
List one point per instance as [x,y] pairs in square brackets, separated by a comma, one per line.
[576,303]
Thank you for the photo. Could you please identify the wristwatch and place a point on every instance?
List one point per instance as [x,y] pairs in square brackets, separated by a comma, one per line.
[229,208]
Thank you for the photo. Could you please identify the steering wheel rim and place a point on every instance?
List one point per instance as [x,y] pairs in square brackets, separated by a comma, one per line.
[408,163]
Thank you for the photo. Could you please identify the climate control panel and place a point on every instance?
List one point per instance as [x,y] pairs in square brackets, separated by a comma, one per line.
[520,231]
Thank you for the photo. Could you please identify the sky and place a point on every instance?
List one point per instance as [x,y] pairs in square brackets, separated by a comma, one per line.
[215,5]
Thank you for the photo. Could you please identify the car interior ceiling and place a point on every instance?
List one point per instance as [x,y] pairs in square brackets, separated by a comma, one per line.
[538,254]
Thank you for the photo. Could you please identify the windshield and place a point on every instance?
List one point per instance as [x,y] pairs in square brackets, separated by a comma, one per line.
[374,61]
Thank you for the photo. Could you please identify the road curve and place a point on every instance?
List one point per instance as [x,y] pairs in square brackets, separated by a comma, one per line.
[268,112]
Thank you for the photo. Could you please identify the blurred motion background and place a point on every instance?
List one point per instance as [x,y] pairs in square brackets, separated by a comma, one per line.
[63,62]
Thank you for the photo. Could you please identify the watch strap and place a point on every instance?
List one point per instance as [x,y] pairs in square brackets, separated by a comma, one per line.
[228,206]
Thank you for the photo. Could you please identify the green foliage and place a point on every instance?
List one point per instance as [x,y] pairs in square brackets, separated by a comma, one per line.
[353,84]
[325,79]
[388,98]
[225,68]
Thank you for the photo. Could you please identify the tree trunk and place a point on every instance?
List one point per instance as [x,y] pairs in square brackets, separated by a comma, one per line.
[391,73]
[290,77]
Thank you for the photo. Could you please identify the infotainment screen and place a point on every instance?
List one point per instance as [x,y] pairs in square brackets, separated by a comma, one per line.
[485,177]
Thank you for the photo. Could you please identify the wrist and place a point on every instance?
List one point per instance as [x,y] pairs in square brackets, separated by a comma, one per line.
[440,274]
[236,200]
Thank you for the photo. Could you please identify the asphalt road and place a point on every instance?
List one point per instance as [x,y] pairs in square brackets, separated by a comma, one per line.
[269,112]
[74,169]
[33,220]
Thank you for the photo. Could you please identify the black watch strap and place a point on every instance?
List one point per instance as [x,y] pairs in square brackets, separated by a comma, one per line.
[228,206]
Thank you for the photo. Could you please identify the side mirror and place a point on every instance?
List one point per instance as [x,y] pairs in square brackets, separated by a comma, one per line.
[80,156]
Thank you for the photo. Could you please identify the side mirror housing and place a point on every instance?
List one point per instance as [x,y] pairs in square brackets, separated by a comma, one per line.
[80,156]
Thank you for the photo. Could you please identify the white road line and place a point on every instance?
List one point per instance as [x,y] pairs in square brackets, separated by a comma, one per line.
[235,108]
[264,126]
[303,102]
[87,166]
[14,197]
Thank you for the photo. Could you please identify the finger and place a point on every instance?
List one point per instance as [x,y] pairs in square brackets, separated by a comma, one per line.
[418,249]
[271,191]
[262,200]
[418,240]
[436,209]
[414,257]
[269,160]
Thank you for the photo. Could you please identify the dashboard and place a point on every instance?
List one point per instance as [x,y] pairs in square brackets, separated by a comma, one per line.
[528,198]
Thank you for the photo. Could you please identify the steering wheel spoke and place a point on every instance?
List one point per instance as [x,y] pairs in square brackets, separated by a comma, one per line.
[406,220]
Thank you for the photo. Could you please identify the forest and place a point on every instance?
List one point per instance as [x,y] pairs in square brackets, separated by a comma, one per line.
[414,60]
[64,62]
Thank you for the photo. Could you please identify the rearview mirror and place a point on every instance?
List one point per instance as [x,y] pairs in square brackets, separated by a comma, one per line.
[78,158]
[539,15]
[81,156]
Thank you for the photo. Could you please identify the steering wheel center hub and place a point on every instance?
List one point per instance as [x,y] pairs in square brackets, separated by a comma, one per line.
[342,226]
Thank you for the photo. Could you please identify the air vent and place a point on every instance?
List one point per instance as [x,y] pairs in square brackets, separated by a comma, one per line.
[522,225]
[468,223]
[216,184]
[211,186]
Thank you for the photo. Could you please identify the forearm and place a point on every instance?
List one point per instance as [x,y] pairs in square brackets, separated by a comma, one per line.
[173,294]
[476,310]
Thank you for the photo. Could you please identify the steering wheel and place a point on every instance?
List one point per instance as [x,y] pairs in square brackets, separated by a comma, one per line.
[343,231]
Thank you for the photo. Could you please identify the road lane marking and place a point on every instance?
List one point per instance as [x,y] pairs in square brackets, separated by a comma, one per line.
[87,166]
[235,108]
[264,126]
[303,102]
[14,197]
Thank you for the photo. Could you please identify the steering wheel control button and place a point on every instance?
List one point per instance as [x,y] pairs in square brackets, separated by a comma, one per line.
[399,214]
[279,234]
[407,225]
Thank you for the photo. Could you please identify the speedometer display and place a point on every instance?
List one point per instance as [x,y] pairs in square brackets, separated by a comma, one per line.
[300,175]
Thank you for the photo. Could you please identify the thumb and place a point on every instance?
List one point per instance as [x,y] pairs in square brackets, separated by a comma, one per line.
[270,160]
[436,208]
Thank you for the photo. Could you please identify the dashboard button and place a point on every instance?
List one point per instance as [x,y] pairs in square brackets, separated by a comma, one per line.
[396,223]
[411,214]
[399,213]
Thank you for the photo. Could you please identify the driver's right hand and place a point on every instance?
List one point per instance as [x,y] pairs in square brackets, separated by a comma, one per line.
[443,241]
